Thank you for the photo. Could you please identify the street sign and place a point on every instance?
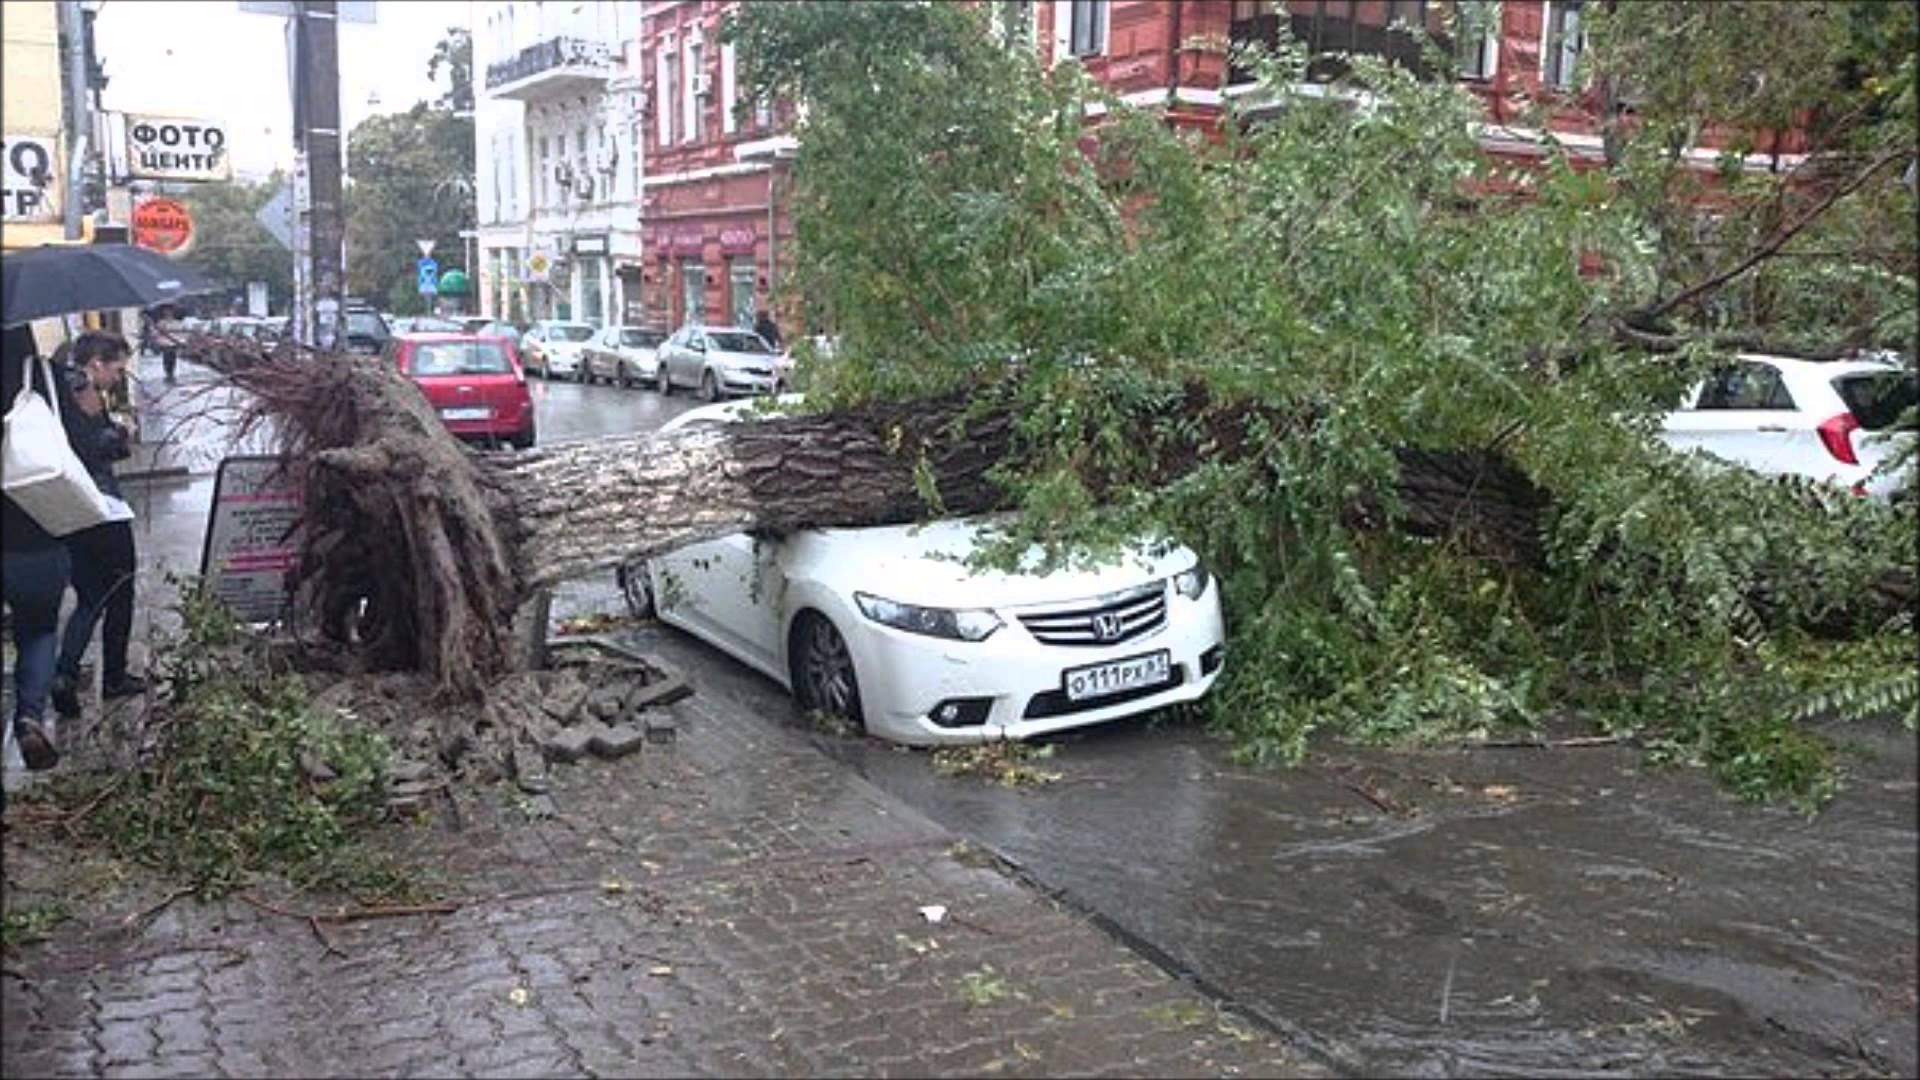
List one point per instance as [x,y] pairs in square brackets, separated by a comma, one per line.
[429,272]
[426,248]
[172,148]
[249,549]
[31,172]
[277,216]
[163,225]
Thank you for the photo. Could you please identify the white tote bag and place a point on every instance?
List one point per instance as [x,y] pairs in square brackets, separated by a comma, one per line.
[43,474]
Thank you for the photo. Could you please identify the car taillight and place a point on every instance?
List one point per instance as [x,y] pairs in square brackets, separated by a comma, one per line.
[1836,434]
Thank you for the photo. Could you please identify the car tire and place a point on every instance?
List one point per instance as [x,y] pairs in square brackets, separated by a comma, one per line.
[636,587]
[709,387]
[822,670]
[523,441]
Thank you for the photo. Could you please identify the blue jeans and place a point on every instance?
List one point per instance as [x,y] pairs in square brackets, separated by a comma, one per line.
[36,583]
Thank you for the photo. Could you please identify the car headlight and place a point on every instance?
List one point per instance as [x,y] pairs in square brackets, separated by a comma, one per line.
[1191,583]
[963,624]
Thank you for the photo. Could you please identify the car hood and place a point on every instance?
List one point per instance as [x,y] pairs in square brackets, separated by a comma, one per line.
[924,564]
[740,359]
[563,346]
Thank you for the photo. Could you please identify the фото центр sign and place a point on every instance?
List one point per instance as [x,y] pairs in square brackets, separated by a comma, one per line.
[172,148]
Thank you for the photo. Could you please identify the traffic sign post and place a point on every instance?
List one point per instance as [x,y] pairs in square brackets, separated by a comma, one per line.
[429,272]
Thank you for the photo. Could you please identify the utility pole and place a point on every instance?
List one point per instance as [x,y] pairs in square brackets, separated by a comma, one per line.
[319,220]
[73,86]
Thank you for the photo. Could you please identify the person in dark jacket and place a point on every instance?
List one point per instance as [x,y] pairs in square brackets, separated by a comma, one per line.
[37,567]
[764,325]
[103,556]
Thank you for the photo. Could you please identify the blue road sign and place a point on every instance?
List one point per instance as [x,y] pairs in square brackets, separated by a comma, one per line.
[429,277]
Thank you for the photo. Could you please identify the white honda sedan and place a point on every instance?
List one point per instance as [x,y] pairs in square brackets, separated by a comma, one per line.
[886,626]
[1824,420]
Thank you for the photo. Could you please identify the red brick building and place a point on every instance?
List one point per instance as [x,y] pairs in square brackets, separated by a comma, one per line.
[712,213]
[713,217]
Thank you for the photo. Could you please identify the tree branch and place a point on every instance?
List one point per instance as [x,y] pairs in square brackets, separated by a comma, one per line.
[1767,249]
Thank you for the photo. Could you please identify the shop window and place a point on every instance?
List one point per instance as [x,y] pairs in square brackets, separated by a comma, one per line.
[740,278]
[1565,36]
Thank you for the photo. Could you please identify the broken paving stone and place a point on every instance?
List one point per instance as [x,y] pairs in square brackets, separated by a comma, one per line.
[660,727]
[571,744]
[530,771]
[663,692]
[618,740]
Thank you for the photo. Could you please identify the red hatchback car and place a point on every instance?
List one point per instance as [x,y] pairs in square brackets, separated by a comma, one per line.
[476,383]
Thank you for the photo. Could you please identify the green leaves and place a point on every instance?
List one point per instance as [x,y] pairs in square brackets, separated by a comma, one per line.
[1354,259]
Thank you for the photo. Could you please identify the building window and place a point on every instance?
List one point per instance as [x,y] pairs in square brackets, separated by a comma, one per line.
[693,292]
[1013,23]
[669,96]
[1564,38]
[729,72]
[1478,31]
[696,92]
[592,310]
[546,177]
[1087,27]
[740,279]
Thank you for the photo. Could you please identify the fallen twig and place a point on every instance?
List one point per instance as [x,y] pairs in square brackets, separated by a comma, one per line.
[356,914]
[1549,744]
[326,943]
[144,914]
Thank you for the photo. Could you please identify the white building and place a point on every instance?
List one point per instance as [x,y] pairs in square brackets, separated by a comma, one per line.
[556,120]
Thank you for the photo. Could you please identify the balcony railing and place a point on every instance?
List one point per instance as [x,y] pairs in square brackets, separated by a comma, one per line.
[560,56]
[1383,28]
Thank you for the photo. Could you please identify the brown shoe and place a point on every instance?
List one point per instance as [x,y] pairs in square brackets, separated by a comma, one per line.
[35,746]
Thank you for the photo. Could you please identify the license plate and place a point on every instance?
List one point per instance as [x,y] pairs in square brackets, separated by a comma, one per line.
[1117,676]
[480,413]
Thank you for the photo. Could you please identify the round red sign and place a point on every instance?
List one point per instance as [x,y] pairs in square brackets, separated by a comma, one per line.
[162,224]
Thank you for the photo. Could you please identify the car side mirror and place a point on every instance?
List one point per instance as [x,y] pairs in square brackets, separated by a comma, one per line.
[698,345]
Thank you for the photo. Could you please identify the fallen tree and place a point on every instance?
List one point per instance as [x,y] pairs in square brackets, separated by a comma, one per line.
[432,557]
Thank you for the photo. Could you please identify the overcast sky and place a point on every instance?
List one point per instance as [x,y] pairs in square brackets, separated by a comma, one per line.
[207,59]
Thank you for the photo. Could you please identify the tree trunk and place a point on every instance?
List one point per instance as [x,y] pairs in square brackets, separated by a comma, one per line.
[438,560]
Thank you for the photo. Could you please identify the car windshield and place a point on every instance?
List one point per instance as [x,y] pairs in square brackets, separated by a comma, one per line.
[460,358]
[642,339]
[497,329]
[737,341]
[1877,398]
[365,324]
[569,332]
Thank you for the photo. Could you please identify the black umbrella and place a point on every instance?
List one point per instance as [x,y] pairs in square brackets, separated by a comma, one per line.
[58,280]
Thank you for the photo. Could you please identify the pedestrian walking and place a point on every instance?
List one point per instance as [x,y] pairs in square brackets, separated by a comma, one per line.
[103,556]
[158,326]
[764,325]
[37,567]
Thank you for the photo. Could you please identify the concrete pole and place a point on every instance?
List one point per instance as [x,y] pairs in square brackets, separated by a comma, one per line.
[72,30]
[319,80]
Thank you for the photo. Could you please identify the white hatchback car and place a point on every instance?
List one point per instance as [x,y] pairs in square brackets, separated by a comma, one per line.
[1826,420]
[552,347]
[888,628]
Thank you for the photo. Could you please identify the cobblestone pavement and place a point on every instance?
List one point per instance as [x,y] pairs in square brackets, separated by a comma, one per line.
[731,903]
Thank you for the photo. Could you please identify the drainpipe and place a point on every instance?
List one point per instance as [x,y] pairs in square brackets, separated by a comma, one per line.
[1173,55]
[773,243]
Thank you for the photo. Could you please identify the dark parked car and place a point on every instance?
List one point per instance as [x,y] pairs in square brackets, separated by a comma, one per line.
[367,333]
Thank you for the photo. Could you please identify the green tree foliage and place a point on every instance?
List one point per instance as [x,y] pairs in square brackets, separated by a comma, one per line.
[230,246]
[411,178]
[1349,260]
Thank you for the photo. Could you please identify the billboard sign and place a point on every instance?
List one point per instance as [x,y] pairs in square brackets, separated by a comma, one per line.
[250,548]
[163,225]
[171,148]
[32,178]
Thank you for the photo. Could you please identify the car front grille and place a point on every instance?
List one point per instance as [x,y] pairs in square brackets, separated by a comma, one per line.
[1106,620]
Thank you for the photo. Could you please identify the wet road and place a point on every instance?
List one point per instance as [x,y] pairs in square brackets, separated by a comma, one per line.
[1517,912]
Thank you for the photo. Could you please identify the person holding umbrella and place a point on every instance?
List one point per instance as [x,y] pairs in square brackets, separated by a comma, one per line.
[37,567]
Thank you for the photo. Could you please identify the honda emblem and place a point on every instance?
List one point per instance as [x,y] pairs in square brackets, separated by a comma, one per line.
[1106,626]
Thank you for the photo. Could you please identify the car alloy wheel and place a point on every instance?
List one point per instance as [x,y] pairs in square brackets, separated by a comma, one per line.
[825,679]
[710,387]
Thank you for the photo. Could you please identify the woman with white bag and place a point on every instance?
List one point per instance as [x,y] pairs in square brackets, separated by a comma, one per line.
[36,563]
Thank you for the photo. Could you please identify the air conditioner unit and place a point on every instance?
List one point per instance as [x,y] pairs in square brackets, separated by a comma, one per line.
[702,84]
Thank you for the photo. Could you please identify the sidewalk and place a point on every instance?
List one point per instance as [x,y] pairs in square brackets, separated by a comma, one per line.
[732,903]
